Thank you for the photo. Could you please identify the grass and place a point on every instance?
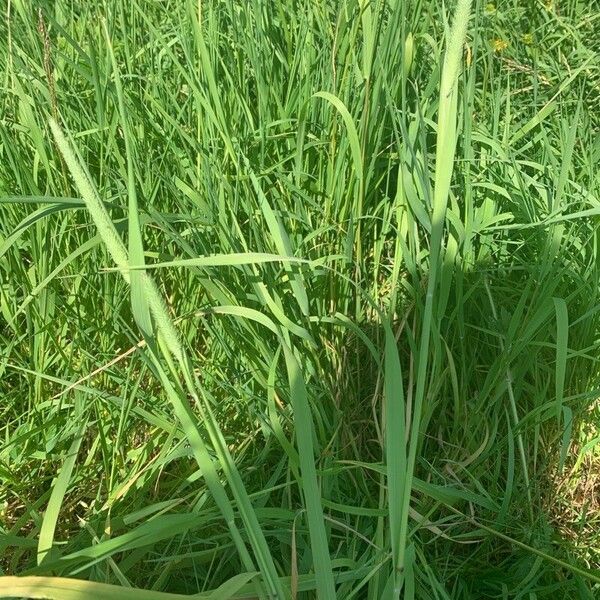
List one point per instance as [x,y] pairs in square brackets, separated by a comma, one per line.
[299,299]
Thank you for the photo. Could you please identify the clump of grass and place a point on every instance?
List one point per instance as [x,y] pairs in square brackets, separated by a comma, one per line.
[312,308]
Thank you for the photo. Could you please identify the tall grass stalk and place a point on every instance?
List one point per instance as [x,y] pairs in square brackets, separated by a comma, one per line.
[145,301]
[444,165]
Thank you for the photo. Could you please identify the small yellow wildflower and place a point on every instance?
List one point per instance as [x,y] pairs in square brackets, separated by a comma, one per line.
[499,45]
[527,39]
[490,8]
[549,4]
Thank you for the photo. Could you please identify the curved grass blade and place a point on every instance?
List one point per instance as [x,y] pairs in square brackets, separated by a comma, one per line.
[46,535]
[350,128]
[224,260]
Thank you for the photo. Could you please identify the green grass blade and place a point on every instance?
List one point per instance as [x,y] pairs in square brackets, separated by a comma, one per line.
[225,260]
[395,439]
[312,493]
[562,345]
[350,129]
[59,489]
[139,300]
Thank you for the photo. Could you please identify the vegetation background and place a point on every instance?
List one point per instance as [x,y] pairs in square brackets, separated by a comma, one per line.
[299,299]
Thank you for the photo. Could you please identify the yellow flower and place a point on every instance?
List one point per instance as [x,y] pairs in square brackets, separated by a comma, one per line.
[527,39]
[490,8]
[499,45]
[549,4]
